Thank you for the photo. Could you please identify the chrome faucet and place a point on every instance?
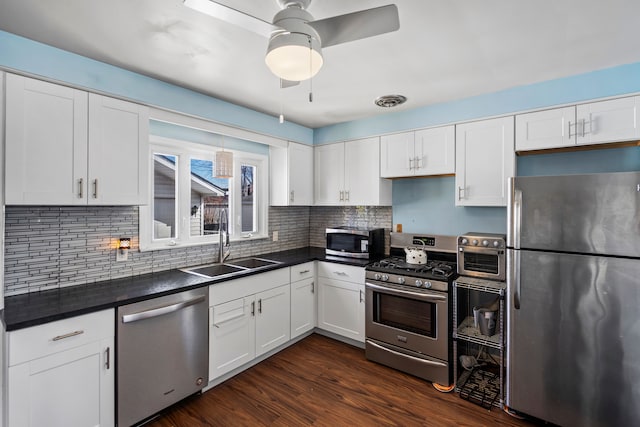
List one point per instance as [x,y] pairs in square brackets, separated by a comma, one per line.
[223,227]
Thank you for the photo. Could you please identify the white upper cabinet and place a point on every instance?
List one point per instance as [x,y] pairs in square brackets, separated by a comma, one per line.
[67,147]
[546,129]
[348,173]
[420,153]
[608,121]
[46,143]
[599,122]
[485,160]
[118,152]
[291,172]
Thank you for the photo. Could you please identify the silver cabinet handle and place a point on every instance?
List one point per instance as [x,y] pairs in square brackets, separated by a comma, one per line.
[107,364]
[340,273]
[460,193]
[346,196]
[291,196]
[80,187]
[253,308]
[155,312]
[260,305]
[418,162]
[312,287]
[411,163]
[342,196]
[304,271]
[95,188]
[69,335]
[361,297]
[574,125]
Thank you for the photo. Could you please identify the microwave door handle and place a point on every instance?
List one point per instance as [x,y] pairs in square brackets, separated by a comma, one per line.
[423,297]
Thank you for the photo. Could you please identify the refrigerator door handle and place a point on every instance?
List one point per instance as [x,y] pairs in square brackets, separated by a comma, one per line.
[517,217]
[515,272]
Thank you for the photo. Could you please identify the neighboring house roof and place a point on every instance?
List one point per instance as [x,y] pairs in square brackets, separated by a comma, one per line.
[202,179]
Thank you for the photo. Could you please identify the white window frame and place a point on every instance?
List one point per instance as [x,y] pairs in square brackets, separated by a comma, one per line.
[184,151]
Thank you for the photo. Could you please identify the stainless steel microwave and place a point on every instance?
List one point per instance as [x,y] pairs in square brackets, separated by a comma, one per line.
[364,243]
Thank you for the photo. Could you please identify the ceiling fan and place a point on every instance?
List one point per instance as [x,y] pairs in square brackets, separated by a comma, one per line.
[294,52]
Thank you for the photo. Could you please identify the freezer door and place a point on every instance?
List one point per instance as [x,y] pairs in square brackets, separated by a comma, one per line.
[573,346]
[594,214]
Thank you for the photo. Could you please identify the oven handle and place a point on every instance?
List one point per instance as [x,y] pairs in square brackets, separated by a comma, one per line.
[397,353]
[398,292]
[482,250]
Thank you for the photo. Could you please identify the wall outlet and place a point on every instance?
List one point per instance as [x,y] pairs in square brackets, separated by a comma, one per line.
[275,236]
[122,255]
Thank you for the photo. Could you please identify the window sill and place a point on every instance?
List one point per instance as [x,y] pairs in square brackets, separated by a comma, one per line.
[168,244]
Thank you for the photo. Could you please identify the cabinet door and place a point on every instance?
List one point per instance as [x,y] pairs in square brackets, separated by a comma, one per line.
[231,336]
[303,306]
[341,308]
[273,321]
[46,143]
[608,121]
[66,389]
[362,172]
[300,174]
[546,129]
[397,155]
[118,152]
[485,159]
[329,174]
[435,150]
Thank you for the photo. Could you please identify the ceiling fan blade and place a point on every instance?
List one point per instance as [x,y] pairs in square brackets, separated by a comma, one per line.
[232,16]
[287,83]
[357,25]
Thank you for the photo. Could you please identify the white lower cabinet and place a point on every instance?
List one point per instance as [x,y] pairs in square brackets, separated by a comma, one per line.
[303,298]
[248,317]
[62,373]
[341,296]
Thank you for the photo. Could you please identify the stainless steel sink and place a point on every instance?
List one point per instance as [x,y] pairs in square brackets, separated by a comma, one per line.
[230,268]
[214,270]
[252,263]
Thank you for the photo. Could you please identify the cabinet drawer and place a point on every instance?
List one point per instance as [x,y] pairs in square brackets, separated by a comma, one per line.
[347,273]
[42,340]
[302,271]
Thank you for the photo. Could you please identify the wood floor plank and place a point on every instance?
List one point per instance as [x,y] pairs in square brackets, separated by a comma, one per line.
[322,382]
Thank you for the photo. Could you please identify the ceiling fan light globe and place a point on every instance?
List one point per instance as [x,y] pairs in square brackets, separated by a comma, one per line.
[290,58]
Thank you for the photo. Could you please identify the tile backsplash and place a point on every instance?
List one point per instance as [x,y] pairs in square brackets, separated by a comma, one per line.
[48,247]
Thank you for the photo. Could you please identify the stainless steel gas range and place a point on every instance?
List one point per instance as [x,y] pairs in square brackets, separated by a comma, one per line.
[408,306]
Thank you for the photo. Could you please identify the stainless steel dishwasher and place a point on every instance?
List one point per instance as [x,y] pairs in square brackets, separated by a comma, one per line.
[162,353]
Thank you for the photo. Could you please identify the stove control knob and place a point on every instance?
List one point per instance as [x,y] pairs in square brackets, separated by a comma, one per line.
[427,285]
[464,241]
[474,242]
[377,276]
[496,244]
[401,280]
[485,243]
[418,283]
[385,277]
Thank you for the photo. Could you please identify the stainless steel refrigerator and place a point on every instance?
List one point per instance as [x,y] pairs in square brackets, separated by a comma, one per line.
[573,345]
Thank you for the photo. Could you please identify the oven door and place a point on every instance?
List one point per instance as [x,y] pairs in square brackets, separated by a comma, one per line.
[482,262]
[414,319]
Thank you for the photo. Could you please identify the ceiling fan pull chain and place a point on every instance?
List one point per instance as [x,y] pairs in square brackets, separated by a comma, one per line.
[281,102]
[310,70]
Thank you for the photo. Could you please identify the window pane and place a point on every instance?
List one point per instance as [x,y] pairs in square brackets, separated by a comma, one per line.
[248,174]
[208,196]
[165,170]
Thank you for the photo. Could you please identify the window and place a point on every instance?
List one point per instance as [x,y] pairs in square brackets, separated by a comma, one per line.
[187,201]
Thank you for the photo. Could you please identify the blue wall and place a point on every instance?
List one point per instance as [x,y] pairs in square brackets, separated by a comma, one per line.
[427,205]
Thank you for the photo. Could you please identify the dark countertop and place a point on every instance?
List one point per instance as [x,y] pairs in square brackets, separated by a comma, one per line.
[35,308]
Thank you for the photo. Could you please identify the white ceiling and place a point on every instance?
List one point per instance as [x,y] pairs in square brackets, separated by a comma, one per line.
[445,49]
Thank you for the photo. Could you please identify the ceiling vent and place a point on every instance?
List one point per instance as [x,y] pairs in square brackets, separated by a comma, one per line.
[388,101]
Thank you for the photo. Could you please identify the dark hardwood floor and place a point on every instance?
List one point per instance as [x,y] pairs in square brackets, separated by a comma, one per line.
[323,382]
